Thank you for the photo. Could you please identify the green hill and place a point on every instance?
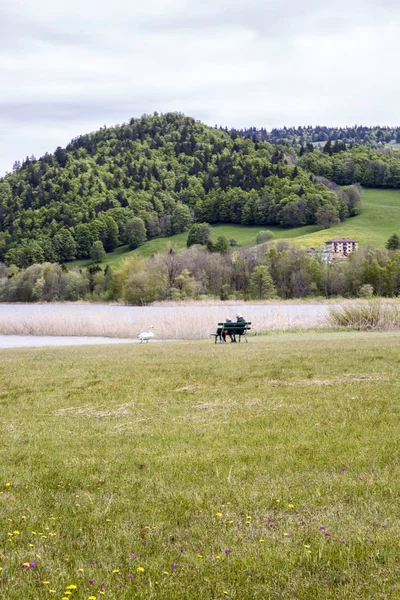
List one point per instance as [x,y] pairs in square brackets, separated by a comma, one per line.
[168,171]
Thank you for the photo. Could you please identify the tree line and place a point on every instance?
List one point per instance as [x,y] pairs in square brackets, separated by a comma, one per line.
[258,273]
[373,137]
[358,164]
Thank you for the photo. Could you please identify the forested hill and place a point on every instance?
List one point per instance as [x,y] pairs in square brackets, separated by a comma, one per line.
[152,177]
[373,137]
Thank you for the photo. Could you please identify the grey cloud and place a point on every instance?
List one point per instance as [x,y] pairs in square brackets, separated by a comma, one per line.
[68,68]
[278,19]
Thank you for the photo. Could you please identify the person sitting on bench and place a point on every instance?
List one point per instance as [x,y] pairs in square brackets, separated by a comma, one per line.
[232,336]
[239,319]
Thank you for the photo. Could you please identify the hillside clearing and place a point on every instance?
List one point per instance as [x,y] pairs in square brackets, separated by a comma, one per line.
[378,220]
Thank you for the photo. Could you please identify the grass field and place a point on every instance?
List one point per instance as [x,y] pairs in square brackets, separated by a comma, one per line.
[193,471]
[379,219]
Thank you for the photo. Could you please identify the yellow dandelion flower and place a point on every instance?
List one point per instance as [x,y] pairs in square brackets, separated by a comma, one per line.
[92,598]
[248,517]
[140,569]
[261,541]
[306,546]
[218,557]
[229,503]
[226,593]
[218,514]
[52,591]
[81,570]
[31,545]
[116,571]
[8,484]
[165,573]
[71,587]
[46,582]
[290,505]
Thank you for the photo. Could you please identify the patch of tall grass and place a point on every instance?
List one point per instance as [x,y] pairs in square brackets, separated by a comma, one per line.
[372,315]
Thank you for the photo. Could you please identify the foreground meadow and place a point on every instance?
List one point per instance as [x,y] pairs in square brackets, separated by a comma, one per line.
[201,471]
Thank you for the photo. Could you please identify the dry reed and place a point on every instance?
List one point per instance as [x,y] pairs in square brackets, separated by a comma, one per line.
[372,315]
[183,322]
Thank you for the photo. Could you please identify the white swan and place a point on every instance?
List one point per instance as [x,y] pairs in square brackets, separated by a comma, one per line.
[145,336]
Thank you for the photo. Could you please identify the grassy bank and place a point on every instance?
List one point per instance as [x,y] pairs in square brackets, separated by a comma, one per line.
[259,470]
[376,223]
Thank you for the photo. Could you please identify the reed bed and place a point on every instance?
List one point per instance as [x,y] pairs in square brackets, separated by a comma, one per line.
[184,322]
[373,315]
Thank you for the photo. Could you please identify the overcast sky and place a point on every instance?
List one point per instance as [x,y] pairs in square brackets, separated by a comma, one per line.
[68,67]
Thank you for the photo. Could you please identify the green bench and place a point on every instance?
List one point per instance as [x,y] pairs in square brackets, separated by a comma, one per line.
[237,329]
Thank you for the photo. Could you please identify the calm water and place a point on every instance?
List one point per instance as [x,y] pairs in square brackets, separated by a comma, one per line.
[39,341]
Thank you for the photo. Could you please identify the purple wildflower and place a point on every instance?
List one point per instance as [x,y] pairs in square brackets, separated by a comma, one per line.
[343,469]
[197,549]
[130,576]
[25,566]
[181,550]
[227,551]
[133,555]
[32,564]
[144,543]
[322,528]
[327,534]
[174,565]
[91,580]
[342,541]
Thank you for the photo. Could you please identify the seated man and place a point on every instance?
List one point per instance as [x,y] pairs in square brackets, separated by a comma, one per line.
[239,319]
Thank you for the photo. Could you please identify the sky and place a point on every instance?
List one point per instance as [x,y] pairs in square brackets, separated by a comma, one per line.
[70,67]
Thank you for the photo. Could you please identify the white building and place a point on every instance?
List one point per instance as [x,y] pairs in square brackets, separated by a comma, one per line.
[341,246]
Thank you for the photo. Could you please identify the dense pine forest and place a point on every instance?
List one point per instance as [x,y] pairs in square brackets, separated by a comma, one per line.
[373,137]
[153,177]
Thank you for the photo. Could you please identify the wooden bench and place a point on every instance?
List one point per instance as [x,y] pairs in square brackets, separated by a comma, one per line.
[235,329]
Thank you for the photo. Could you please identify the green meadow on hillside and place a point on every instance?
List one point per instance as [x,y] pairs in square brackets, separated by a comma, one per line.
[193,470]
[379,219]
